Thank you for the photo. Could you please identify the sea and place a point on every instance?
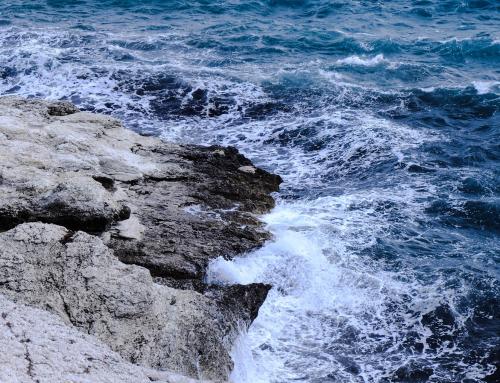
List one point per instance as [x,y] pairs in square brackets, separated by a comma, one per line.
[383,119]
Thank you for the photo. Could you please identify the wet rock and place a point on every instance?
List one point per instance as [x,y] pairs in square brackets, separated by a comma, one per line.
[86,172]
[79,193]
[204,209]
[235,297]
[76,276]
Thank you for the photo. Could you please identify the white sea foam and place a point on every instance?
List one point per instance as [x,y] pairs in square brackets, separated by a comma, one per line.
[332,305]
[363,61]
[484,87]
[324,291]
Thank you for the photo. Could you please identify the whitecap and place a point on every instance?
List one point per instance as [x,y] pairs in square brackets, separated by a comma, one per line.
[484,87]
[363,61]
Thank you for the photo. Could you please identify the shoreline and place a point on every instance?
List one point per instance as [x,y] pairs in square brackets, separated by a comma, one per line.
[113,232]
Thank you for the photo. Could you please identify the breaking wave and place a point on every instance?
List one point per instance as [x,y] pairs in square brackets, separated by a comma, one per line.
[383,121]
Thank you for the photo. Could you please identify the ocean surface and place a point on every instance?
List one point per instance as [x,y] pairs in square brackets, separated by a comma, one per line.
[381,116]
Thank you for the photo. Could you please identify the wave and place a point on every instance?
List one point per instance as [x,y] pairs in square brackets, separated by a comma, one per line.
[341,313]
[356,60]
[485,87]
[468,48]
[385,229]
[473,213]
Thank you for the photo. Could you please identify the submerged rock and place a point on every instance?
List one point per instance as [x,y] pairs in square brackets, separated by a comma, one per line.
[79,193]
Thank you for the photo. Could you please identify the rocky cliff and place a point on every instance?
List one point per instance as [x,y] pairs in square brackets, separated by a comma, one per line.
[111,233]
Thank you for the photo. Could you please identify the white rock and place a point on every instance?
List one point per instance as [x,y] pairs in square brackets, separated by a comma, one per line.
[247,169]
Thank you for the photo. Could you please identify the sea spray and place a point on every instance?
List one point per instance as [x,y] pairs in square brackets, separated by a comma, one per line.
[383,121]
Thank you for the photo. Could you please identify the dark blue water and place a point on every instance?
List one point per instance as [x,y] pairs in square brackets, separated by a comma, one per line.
[383,119]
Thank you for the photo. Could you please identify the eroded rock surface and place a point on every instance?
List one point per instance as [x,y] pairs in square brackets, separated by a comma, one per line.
[38,346]
[78,277]
[184,205]
[113,232]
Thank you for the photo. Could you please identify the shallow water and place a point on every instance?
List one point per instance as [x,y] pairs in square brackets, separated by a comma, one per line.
[382,119]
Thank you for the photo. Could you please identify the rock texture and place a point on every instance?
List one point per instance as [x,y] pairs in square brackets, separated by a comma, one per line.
[113,232]
[197,206]
[39,347]
[77,277]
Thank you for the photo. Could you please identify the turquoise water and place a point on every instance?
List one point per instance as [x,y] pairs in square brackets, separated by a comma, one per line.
[382,118]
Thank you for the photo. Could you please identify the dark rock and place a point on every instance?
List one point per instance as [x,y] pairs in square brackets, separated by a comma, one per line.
[167,208]
[61,108]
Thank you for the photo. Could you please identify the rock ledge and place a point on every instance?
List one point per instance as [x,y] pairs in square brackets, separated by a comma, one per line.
[113,232]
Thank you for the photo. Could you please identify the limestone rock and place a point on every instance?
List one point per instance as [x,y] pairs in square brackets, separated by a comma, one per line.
[86,172]
[79,193]
[77,276]
[38,347]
